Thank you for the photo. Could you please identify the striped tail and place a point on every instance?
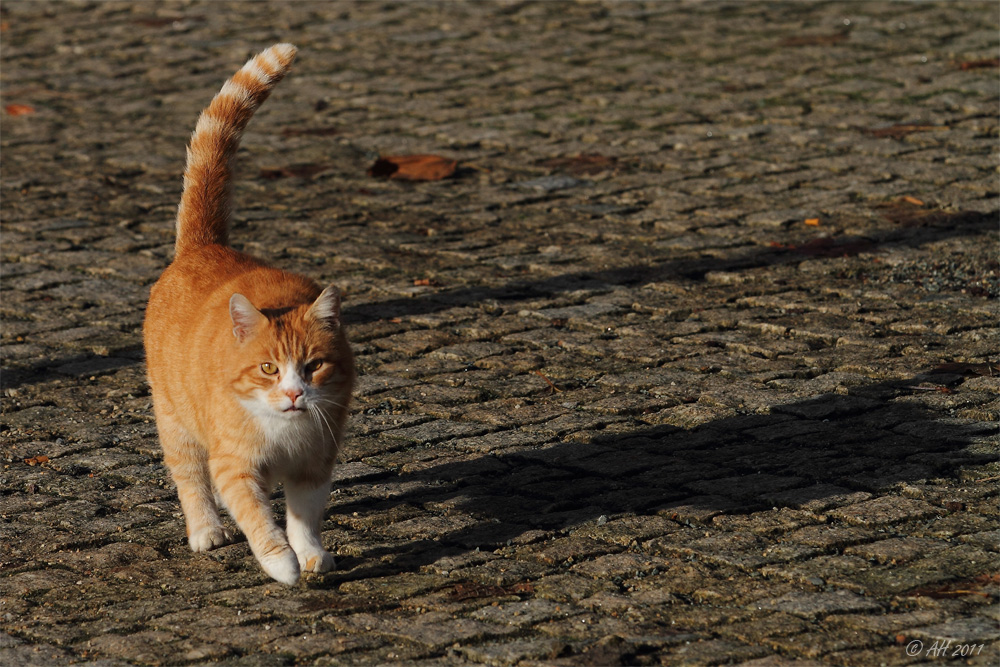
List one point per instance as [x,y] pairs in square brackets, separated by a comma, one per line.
[203,215]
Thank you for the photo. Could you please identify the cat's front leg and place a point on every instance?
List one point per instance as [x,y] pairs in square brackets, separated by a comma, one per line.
[246,497]
[188,464]
[305,506]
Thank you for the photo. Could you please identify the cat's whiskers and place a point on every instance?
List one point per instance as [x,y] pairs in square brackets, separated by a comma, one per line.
[328,427]
[328,400]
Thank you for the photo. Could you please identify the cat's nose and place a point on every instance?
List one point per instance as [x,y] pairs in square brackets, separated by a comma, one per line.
[293,394]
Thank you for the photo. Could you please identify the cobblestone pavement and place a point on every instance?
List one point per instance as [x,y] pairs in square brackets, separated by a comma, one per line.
[691,362]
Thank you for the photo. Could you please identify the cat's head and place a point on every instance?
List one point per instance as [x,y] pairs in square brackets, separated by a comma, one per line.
[292,361]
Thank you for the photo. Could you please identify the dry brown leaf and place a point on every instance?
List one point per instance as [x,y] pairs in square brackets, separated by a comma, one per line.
[19,109]
[413,167]
[983,586]
[468,590]
[37,460]
[979,64]
[812,222]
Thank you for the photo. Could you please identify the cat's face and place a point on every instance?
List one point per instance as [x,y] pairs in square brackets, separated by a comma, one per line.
[294,364]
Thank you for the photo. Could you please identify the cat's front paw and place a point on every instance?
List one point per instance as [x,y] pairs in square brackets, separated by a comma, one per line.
[282,566]
[316,561]
[209,537]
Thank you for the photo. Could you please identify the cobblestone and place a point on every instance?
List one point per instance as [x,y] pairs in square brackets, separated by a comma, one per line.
[692,361]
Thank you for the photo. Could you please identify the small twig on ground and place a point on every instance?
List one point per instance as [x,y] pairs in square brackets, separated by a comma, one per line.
[555,389]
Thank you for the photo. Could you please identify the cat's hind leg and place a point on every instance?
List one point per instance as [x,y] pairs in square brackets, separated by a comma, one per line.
[305,506]
[188,463]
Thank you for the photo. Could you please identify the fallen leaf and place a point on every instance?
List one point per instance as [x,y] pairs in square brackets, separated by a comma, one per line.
[913,200]
[19,109]
[584,163]
[979,64]
[413,167]
[305,170]
[902,130]
[812,222]
[425,282]
[37,460]
[815,40]
[955,589]
[471,591]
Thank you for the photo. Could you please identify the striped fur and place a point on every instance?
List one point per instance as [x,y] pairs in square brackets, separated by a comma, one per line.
[249,368]
[203,215]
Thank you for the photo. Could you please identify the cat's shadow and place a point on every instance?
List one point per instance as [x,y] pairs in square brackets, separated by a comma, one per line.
[817,454]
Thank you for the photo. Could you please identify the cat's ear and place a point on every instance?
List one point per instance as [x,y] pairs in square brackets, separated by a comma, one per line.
[246,318]
[326,308]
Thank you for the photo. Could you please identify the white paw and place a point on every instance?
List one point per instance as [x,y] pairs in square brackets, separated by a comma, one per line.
[209,537]
[282,566]
[316,561]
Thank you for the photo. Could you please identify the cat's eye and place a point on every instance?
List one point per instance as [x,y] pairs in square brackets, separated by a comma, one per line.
[268,368]
[314,365]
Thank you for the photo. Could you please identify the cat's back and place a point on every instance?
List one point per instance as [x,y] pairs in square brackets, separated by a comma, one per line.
[191,299]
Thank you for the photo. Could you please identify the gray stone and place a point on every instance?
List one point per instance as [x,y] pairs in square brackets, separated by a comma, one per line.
[817,605]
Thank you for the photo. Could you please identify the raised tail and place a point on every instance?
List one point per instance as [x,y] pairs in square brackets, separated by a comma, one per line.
[203,215]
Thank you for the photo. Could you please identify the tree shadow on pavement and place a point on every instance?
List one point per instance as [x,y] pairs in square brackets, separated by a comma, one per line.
[964,223]
[816,454]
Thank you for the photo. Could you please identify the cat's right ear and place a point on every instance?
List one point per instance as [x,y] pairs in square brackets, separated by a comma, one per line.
[245,317]
[326,308]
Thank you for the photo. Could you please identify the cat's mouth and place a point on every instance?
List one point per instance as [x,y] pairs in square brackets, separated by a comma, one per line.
[294,409]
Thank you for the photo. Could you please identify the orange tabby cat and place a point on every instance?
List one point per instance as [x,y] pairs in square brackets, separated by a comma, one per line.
[249,367]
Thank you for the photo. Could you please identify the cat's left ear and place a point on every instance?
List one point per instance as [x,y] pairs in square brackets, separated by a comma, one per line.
[326,308]
[245,317]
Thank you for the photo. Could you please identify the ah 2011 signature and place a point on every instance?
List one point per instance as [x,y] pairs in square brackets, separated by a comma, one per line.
[943,649]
